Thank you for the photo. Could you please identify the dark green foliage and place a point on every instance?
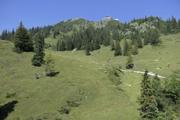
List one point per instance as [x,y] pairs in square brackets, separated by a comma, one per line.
[7,35]
[174,24]
[45,31]
[136,38]
[68,43]
[179,24]
[152,36]
[77,40]
[112,44]
[104,36]
[23,41]
[172,88]
[115,35]
[87,50]
[114,74]
[166,97]
[80,32]
[4,35]
[125,48]
[61,45]
[7,108]
[148,104]
[118,50]
[157,92]
[38,58]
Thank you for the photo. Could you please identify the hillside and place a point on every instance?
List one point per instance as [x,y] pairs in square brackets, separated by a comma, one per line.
[83,81]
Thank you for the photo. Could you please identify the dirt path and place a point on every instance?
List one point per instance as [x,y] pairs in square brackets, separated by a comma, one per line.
[138,72]
[141,72]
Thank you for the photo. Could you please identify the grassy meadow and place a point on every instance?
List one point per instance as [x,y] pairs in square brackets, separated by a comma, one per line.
[83,79]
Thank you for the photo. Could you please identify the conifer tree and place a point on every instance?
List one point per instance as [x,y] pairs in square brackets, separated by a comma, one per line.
[174,24]
[60,45]
[158,92]
[117,49]
[125,48]
[148,104]
[38,58]
[179,24]
[22,40]
[87,49]
[154,36]
[4,35]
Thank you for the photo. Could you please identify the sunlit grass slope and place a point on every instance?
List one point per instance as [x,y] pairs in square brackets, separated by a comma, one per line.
[82,78]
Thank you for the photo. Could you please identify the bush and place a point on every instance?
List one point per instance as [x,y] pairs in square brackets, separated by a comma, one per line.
[114,74]
[49,63]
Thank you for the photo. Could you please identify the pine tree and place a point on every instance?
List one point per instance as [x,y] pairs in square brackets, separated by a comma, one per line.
[179,24]
[115,35]
[4,35]
[117,49]
[104,36]
[125,48]
[174,24]
[172,87]
[38,58]
[168,27]
[158,92]
[148,104]
[60,45]
[22,40]
[112,44]
[136,38]
[154,36]
[87,50]
[12,35]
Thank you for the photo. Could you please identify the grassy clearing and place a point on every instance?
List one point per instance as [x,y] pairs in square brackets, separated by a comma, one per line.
[81,77]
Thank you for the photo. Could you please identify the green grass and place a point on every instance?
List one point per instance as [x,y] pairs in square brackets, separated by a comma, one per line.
[81,77]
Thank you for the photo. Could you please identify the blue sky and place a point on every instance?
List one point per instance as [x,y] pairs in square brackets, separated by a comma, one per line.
[44,12]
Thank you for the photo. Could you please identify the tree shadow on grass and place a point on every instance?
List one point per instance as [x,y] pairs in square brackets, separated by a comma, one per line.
[6,109]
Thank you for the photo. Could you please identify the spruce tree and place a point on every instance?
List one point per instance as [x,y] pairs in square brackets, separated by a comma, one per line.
[179,24]
[125,48]
[173,24]
[87,49]
[148,104]
[154,36]
[22,40]
[112,44]
[38,58]
[117,49]
[158,92]
[60,45]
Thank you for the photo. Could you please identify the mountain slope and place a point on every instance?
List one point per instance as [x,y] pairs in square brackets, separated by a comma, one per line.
[83,79]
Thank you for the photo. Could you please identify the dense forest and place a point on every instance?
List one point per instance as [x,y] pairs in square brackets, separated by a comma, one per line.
[124,38]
